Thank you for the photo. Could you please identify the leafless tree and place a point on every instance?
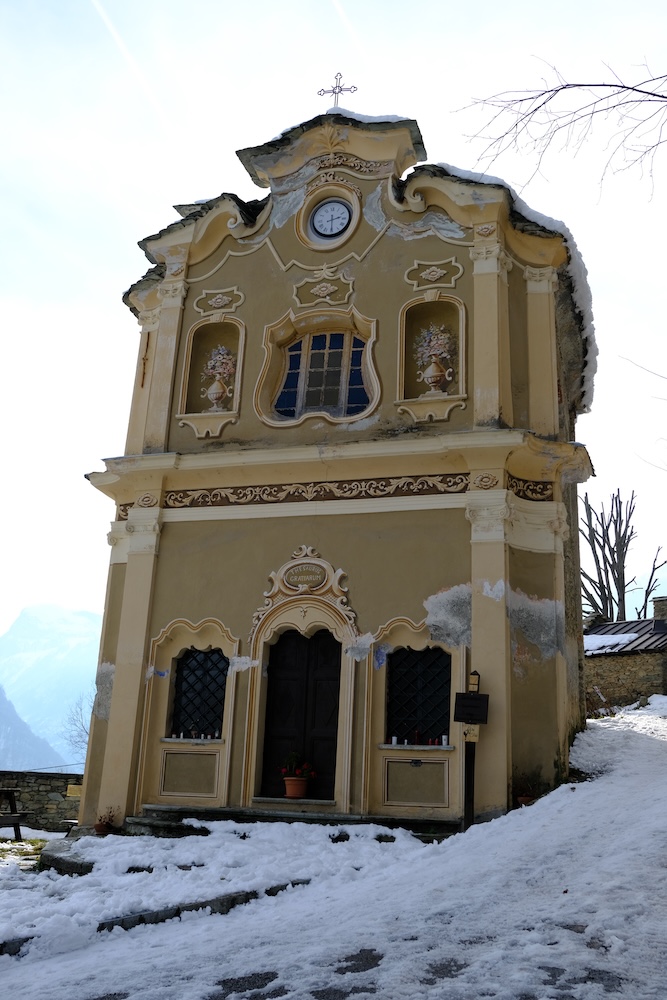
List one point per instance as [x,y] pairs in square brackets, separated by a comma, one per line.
[77,723]
[608,536]
[633,111]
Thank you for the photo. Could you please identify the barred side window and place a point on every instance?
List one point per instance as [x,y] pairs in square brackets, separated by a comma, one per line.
[199,693]
[418,694]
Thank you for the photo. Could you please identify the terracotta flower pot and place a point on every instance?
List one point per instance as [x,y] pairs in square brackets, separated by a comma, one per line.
[295,788]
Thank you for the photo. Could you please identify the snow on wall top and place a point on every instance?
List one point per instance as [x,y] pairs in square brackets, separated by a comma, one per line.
[608,643]
[576,269]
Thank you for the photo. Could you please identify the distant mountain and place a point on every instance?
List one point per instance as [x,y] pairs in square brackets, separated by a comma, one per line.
[20,749]
[48,659]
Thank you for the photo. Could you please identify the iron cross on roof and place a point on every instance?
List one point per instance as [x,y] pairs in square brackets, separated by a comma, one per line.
[337,90]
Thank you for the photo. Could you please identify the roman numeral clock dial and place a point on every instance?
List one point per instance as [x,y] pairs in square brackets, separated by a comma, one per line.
[331,218]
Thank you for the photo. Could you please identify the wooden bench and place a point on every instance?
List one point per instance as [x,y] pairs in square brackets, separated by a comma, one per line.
[12,818]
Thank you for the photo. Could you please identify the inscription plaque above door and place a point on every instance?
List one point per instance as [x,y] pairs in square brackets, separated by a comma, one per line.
[306,576]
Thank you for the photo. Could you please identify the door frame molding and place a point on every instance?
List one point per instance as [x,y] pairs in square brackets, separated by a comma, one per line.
[306,607]
[308,651]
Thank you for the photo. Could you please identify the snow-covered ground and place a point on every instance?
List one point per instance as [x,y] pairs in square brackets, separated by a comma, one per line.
[564,899]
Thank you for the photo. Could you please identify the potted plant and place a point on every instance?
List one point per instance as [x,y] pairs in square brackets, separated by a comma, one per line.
[296,774]
[106,820]
[528,786]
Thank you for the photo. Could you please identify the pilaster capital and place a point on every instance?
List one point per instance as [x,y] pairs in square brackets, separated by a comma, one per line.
[119,540]
[490,258]
[143,526]
[172,293]
[490,513]
[558,523]
[540,279]
[150,319]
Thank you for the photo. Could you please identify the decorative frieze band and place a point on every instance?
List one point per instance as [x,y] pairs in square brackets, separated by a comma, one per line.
[351,489]
[528,489]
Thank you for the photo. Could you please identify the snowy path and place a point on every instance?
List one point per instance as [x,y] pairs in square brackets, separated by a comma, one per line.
[564,899]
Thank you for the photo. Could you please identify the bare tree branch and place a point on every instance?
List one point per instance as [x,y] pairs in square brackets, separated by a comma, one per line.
[77,723]
[652,585]
[609,535]
[635,110]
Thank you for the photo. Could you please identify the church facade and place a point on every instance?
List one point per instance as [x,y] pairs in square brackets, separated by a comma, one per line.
[347,487]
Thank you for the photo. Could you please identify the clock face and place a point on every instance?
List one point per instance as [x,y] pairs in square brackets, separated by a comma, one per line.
[331,218]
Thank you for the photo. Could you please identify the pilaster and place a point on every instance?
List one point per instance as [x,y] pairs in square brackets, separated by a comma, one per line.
[490,516]
[491,345]
[143,530]
[542,363]
[149,320]
[172,296]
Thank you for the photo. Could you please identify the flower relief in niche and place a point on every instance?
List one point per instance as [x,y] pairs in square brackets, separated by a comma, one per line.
[210,391]
[432,362]
[434,274]
[324,286]
[226,300]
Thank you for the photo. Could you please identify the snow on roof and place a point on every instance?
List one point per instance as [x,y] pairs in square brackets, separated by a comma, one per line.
[367,118]
[576,269]
[608,643]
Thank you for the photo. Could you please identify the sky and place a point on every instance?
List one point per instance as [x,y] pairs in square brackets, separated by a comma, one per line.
[566,897]
[115,110]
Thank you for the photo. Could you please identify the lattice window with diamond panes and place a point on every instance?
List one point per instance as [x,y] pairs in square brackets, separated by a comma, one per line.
[325,374]
[199,693]
[418,694]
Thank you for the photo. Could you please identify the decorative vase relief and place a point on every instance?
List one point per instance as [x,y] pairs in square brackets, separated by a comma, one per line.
[432,358]
[219,371]
[210,390]
[434,348]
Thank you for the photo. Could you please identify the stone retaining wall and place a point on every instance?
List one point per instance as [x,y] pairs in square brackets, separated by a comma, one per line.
[44,797]
[621,680]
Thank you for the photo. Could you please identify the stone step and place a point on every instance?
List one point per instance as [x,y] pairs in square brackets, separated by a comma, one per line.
[167,821]
[152,826]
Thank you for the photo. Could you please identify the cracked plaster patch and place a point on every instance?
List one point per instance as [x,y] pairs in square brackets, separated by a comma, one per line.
[449,615]
[104,685]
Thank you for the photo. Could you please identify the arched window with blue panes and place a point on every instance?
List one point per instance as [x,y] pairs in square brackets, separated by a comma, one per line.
[324,373]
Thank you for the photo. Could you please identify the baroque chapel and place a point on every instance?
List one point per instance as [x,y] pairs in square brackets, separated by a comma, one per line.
[347,492]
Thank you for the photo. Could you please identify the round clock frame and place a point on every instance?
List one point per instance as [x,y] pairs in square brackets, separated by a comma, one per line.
[331,218]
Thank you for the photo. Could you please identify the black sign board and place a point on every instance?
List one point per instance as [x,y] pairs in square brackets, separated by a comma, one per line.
[471,708]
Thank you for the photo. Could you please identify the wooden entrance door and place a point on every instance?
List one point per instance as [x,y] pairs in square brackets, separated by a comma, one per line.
[302,710]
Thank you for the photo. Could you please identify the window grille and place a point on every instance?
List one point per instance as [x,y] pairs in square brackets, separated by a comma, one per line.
[418,694]
[199,693]
[324,375]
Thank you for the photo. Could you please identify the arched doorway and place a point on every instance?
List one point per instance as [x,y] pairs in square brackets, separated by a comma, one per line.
[302,709]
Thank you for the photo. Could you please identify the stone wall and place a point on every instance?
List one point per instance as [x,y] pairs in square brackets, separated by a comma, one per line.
[624,679]
[44,797]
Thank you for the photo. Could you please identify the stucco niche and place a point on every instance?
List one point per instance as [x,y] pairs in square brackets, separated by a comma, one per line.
[431,357]
[211,385]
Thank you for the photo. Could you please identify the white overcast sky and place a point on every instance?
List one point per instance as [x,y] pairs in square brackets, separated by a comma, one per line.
[115,110]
